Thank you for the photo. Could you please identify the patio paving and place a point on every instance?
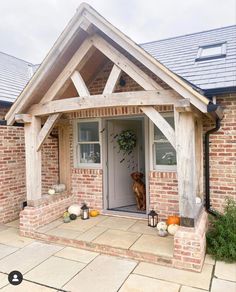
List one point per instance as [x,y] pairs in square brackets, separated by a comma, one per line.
[70,269]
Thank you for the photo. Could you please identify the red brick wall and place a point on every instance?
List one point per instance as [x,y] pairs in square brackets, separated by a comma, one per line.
[50,174]
[12,172]
[223,154]
[163,192]
[87,187]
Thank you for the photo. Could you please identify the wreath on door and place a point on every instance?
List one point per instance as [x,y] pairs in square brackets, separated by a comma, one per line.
[127,141]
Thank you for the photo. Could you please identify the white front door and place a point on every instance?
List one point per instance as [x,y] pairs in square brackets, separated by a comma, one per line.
[120,166]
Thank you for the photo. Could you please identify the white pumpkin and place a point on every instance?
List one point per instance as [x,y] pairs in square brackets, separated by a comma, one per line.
[161,226]
[51,191]
[172,229]
[74,209]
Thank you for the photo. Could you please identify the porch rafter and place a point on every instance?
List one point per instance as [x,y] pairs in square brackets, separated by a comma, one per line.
[112,80]
[136,98]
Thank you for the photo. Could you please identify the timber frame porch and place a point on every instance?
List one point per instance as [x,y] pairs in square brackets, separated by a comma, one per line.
[61,86]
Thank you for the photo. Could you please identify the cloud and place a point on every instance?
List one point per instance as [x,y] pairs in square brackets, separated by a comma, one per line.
[29,28]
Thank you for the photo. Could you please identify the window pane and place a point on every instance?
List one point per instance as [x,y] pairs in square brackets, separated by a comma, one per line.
[88,132]
[158,135]
[165,154]
[211,51]
[90,153]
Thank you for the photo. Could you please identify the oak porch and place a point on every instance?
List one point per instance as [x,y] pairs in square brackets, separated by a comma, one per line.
[186,138]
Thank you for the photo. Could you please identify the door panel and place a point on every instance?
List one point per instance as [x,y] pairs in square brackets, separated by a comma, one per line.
[120,167]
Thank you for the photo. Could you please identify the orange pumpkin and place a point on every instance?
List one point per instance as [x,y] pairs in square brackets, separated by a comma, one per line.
[173,220]
[94,213]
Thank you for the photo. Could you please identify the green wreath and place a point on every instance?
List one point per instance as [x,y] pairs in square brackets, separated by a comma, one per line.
[127,141]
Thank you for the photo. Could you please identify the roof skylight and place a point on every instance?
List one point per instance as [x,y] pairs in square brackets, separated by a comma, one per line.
[213,51]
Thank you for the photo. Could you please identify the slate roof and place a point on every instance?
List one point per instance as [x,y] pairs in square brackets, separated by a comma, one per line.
[14,75]
[178,54]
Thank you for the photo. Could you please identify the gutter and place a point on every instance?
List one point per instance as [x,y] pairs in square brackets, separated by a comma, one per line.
[216,111]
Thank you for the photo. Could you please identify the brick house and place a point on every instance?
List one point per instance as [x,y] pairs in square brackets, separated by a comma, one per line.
[96,83]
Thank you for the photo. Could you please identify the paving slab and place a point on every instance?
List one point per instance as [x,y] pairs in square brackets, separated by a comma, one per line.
[190,289]
[209,260]
[105,273]
[84,225]
[50,225]
[80,255]
[3,227]
[54,272]
[15,223]
[5,250]
[117,223]
[219,285]
[155,244]
[66,233]
[225,271]
[92,233]
[3,280]
[28,257]
[117,238]
[26,286]
[137,283]
[187,278]
[142,227]
[11,237]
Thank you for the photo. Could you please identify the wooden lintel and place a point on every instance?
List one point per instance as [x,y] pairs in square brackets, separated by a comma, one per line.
[136,98]
[23,118]
[161,123]
[79,84]
[46,129]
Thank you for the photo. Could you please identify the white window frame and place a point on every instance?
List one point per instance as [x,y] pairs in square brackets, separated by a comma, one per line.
[160,168]
[77,163]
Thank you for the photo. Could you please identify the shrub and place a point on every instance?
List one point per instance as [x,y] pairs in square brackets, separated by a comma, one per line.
[221,237]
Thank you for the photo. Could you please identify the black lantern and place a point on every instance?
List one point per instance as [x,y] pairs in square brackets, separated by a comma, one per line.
[84,212]
[152,219]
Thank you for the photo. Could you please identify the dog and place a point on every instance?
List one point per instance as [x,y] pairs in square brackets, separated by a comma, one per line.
[139,190]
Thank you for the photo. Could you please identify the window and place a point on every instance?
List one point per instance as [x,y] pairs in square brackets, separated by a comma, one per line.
[164,155]
[211,52]
[88,144]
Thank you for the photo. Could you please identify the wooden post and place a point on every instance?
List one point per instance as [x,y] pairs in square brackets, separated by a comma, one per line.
[186,166]
[64,155]
[33,159]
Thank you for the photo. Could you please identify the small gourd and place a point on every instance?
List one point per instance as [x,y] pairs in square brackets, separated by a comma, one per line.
[161,226]
[173,220]
[51,191]
[72,216]
[162,233]
[94,213]
[74,209]
[172,229]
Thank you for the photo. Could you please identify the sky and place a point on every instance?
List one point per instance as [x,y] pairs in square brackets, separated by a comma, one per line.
[29,28]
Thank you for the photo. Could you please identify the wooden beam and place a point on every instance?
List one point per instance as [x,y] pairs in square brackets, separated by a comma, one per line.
[199,155]
[77,62]
[186,163]
[161,123]
[136,98]
[79,84]
[64,156]
[183,105]
[112,80]
[23,118]
[46,129]
[125,64]
[33,160]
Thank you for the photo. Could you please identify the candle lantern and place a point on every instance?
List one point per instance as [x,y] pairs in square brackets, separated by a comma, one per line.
[84,212]
[152,219]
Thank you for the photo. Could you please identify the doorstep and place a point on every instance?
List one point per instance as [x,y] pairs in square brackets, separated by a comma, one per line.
[118,236]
